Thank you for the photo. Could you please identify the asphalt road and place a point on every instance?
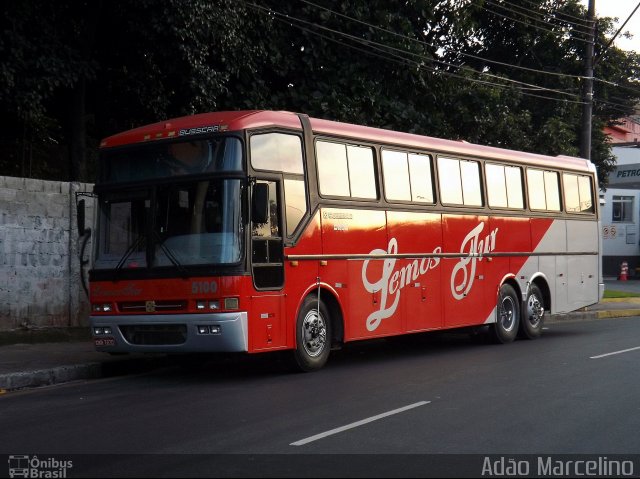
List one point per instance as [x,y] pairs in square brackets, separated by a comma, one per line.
[443,394]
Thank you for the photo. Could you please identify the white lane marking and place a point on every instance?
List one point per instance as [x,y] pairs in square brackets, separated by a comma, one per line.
[337,430]
[615,352]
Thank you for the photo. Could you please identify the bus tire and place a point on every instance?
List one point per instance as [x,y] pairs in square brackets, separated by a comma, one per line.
[313,335]
[505,329]
[533,315]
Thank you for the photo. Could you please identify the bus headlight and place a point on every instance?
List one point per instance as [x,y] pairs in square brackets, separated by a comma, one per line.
[102,307]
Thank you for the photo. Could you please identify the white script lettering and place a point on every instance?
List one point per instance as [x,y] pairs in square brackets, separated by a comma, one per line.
[392,281]
[475,248]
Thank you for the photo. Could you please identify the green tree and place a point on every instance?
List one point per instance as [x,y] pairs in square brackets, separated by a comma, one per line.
[545,40]
[496,72]
[74,72]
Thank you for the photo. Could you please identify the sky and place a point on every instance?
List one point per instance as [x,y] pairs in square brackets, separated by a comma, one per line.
[621,9]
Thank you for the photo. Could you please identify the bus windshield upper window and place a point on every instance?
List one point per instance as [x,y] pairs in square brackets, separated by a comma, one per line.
[168,159]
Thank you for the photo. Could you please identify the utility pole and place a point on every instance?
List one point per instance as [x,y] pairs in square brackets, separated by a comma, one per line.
[587,90]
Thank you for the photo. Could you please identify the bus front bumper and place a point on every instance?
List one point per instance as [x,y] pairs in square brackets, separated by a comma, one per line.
[171,333]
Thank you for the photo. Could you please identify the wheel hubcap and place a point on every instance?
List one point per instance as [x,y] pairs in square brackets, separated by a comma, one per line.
[507,313]
[535,310]
[314,333]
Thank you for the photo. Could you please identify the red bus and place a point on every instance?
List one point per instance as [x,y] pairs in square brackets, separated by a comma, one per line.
[260,231]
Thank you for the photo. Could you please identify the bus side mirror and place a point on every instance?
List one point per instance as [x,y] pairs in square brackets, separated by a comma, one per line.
[260,203]
[82,230]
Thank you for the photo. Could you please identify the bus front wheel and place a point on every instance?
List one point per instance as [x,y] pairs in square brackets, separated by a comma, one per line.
[313,335]
[505,329]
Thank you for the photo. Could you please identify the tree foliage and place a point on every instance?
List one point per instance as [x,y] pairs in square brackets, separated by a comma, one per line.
[496,72]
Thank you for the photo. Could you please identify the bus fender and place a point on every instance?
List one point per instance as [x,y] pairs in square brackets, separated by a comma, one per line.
[325,289]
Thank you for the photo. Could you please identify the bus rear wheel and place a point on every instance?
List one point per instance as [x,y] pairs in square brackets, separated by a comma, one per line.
[505,329]
[313,335]
[533,317]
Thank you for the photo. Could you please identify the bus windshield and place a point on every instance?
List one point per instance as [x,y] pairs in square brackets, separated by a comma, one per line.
[171,159]
[188,223]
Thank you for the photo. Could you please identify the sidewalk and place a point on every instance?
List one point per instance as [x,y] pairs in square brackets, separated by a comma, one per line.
[38,364]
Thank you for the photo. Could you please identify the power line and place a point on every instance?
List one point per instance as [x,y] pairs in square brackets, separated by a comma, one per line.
[371,43]
[587,22]
[399,59]
[622,87]
[577,21]
[386,52]
[475,57]
[604,52]
[406,61]
[538,18]
[530,25]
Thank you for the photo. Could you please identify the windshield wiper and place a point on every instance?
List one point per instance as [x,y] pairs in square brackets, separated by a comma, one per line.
[172,257]
[127,253]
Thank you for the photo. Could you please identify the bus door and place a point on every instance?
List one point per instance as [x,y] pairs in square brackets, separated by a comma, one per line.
[266,320]
[464,283]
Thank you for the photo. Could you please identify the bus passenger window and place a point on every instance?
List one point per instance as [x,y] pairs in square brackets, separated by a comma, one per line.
[571,195]
[407,177]
[296,203]
[277,152]
[459,182]
[552,190]
[496,186]
[471,187]
[544,190]
[346,170]
[449,179]
[515,197]
[535,180]
[396,176]
[421,178]
[362,176]
[577,193]
[333,172]
[504,186]
[586,195]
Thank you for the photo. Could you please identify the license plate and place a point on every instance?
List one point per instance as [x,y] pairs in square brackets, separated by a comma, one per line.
[105,342]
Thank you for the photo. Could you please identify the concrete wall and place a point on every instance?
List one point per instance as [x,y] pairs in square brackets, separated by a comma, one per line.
[39,246]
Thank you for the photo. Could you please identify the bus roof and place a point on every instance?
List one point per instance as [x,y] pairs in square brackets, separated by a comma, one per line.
[251,119]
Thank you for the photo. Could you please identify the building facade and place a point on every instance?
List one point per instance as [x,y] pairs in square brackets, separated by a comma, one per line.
[620,213]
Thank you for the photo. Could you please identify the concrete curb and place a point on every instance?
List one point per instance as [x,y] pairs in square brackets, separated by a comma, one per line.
[618,313]
[632,300]
[75,372]
[597,314]
[47,377]
[575,316]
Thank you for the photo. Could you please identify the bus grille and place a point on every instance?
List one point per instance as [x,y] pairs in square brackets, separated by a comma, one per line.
[152,306]
[155,334]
